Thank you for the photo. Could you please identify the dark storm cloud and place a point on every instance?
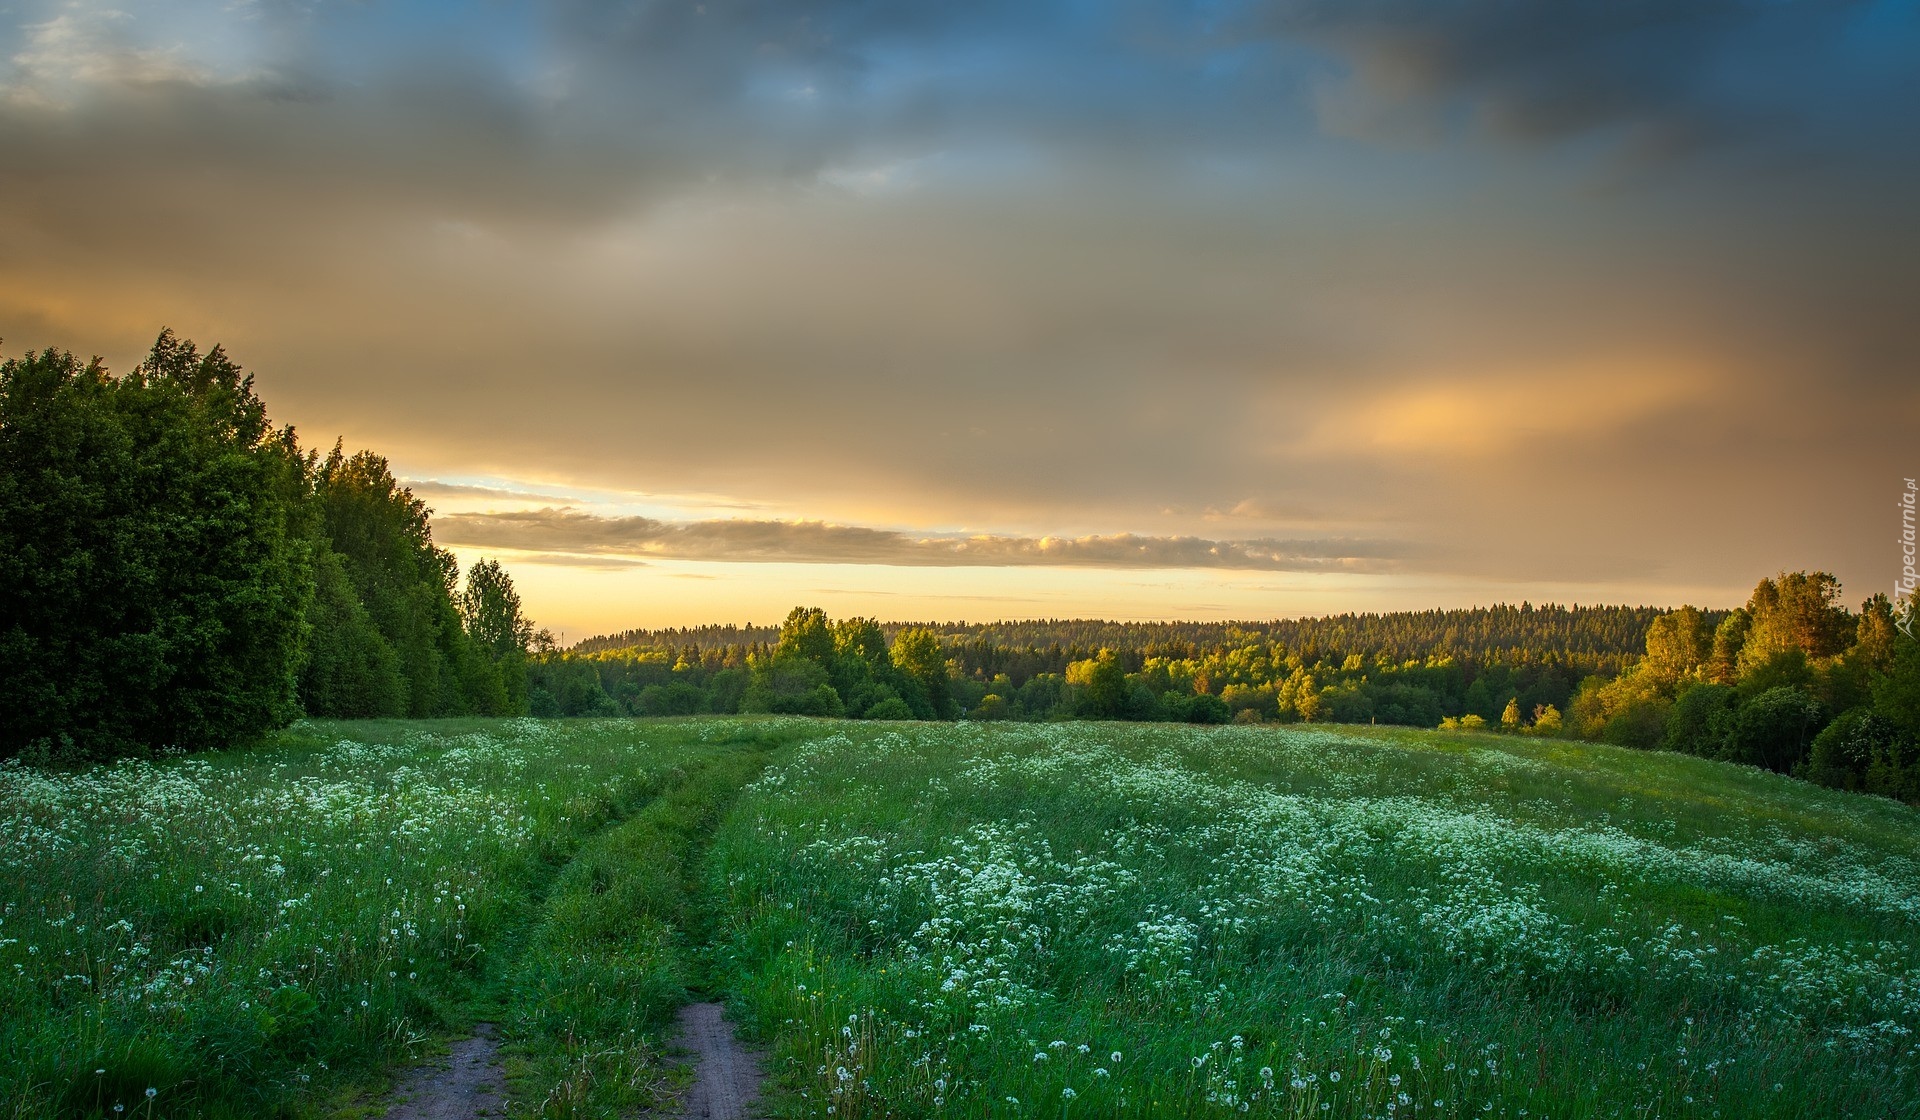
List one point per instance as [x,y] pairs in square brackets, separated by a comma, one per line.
[1668,69]
[810,542]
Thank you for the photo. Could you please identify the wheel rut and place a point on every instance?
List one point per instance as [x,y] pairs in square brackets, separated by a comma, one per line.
[726,1081]
[467,1084]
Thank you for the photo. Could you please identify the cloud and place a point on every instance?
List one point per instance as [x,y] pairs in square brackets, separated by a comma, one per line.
[1471,413]
[430,488]
[809,542]
[1097,270]
[574,560]
[1671,75]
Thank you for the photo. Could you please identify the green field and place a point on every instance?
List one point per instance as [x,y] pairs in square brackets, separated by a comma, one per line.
[970,920]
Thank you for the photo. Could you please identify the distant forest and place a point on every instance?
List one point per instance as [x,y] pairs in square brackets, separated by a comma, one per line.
[178,574]
[1413,668]
[1793,681]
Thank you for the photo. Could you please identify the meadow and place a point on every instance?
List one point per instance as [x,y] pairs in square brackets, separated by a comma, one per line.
[973,920]
[1113,920]
[256,933]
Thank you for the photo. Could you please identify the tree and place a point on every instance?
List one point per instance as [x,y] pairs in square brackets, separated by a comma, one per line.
[1795,611]
[807,633]
[1308,702]
[1678,644]
[380,531]
[1103,683]
[1700,719]
[490,612]
[1773,730]
[153,582]
[1729,638]
[350,672]
[791,684]
[918,656]
[1511,719]
[1479,700]
[1874,634]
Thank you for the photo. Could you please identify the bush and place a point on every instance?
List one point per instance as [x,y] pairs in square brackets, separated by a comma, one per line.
[676,699]
[891,708]
[1699,721]
[1642,725]
[1865,751]
[1773,730]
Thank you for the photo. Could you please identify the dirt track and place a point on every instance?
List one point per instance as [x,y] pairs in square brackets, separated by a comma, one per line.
[726,1077]
[467,1084]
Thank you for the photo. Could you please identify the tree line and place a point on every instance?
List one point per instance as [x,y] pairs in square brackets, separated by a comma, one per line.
[176,573]
[1411,668]
[1793,682]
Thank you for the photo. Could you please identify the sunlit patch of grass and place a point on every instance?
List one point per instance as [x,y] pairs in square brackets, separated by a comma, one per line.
[1154,921]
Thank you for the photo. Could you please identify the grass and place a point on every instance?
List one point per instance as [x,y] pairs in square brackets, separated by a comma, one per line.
[247,934]
[996,920]
[965,920]
[615,955]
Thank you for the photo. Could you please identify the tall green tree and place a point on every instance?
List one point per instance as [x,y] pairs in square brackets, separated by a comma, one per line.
[380,531]
[490,612]
[917,654]
[153,583]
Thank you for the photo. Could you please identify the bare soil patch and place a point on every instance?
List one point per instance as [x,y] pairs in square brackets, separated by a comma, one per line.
[726,1076]
[466,1084]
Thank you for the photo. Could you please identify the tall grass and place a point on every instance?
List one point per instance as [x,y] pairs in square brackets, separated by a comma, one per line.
[1102,920]
[231,935]
[618,950]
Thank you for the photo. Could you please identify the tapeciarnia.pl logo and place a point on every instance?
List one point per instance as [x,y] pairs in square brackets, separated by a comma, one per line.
[1903,587]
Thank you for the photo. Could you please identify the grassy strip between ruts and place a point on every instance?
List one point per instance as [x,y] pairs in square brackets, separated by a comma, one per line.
[592,996]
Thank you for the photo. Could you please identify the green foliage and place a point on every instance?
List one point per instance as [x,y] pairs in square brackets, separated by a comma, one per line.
[175,574]
[1679,644]
[1795,611]
[153,583]
[792,684]
[351,671]
[490,612]
[807,634]
[1773,730]
[1699,720]
[1773,676]
[923,666]
[1864,751]
[676,698]
[1896,696]
[407,585]
[891,708]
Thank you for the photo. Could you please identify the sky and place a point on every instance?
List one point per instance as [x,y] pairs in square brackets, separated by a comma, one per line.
[692,312]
